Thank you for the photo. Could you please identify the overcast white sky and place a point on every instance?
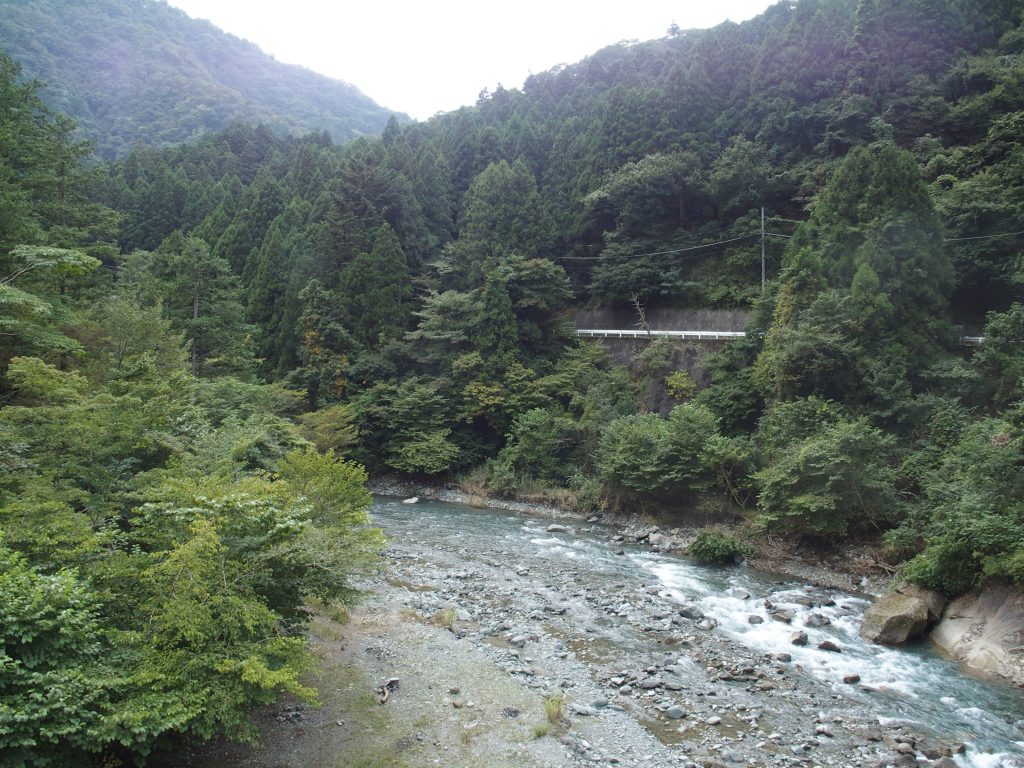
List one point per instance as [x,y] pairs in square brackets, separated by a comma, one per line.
[427,57]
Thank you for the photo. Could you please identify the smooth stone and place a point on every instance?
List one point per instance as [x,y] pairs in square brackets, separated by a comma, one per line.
[894,619]
[691,612]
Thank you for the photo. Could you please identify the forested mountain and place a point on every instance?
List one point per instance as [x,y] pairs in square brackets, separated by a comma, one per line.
[141,71]
[416,286]
[181,328]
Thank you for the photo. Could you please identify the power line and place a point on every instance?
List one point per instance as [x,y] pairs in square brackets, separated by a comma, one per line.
[982,237]
[682,238]
[761,234]
[658,253]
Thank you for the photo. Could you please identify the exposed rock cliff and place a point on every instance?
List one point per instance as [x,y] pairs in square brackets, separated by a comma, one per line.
[985,631]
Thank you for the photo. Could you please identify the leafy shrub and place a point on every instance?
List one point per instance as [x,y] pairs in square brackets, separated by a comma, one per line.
[977,531]
[54,690]
[649,455]
[542,444]
[680,385]
[838,478]
[714,546]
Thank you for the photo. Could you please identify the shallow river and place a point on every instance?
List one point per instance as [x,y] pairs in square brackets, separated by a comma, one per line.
[914,686]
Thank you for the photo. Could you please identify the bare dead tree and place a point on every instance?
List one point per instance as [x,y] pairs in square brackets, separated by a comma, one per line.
[642,323]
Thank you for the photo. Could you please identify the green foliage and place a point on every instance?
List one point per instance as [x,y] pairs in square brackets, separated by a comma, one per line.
[192,570]
[30,317]
[716,547]
[978,527]
[503,213]
[332,428]
[172,66]
[543,444]
[864,290]
[137,342]
[428,453]
[680,385]
[375,290]
[661,457]
[202,298]
[1000,359]
[835,478]
[38,383]
[56,691]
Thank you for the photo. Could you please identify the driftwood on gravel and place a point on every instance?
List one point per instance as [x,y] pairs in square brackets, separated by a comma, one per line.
[384,691]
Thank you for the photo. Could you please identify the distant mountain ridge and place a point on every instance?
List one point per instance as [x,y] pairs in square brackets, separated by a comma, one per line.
[141,70]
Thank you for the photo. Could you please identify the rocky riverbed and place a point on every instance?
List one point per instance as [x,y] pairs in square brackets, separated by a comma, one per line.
[533,642]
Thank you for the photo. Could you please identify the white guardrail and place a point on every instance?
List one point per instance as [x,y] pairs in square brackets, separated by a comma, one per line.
[600,333]
[635,334]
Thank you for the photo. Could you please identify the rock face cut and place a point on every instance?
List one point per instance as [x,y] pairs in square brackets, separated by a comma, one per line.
[894,619]
[985,631]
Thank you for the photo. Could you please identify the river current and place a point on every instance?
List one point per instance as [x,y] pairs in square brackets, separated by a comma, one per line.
[914,685]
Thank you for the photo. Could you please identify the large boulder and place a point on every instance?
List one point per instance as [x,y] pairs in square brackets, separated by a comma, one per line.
[894,619]
[934,601]
[985,631]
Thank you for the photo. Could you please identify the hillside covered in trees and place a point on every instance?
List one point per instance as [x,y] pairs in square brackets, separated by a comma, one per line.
[130,71]
[191,337]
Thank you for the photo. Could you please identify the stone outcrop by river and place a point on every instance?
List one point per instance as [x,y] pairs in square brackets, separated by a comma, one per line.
[985,631]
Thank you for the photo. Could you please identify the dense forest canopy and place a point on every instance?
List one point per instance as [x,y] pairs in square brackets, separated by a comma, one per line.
[199,342]
[131,71]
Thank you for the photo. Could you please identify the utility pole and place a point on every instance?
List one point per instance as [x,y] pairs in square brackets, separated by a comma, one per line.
[762,249]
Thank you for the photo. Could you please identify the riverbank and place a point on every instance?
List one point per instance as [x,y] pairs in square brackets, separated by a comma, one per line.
[849,567]
[488,620]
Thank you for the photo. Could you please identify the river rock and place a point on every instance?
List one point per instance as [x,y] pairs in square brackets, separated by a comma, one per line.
[798,638]
[557,528]
[675,712]
[828,645]
[691,612]
[894,619]
[985,631]
[934,602]
[754,619]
